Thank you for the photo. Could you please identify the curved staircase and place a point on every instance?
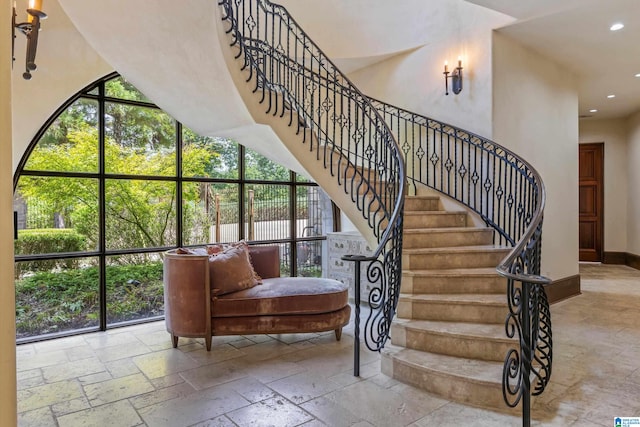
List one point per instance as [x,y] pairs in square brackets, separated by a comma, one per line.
[473,320]
[449,333]
[448,337]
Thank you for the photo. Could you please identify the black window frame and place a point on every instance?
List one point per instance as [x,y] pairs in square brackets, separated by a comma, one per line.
[102,253]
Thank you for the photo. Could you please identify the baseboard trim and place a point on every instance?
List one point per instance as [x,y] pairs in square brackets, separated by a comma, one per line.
[633,261]
[562,289]
[622,258]
[618,258]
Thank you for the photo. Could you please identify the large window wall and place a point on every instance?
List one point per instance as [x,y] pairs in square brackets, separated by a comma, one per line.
[111,182]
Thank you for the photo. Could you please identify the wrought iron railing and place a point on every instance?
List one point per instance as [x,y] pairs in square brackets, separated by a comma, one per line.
[347,132]
[508,194]
[342,130]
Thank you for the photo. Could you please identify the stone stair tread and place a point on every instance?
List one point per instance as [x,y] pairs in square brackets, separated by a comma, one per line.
[425,197]
[417,213]
[480,371]
[446,230]
[465,329]
[471,299]
[448,272]
[460,249]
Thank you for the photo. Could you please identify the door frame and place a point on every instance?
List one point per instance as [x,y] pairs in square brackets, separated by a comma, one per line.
[600,179]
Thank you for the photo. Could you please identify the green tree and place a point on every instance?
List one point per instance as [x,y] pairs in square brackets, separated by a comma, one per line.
[139,213]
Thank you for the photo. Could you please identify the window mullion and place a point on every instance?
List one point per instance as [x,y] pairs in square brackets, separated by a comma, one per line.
[102,240]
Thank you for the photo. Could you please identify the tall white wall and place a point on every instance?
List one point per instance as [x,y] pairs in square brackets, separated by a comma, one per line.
[414,80]
[633,165]
[8,406]
[613,133]
[535,114]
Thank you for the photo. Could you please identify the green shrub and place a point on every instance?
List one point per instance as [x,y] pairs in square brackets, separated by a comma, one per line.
[45,241]
[49,302]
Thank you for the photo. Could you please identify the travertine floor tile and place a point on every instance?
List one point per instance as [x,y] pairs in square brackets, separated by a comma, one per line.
[117,389]
[377,405]
[330,412]
[65,371]
[48,394]
[69,406]
[115,338]
[161,395]
[31,378]
[119,414]
[212,375]
[275,412]
[454,414]
[250,388]
[42,417]
[194,408]
[216,422]
[164,362]
[122,368]
[41,360]
[122,351]
[305,386]
[218,354]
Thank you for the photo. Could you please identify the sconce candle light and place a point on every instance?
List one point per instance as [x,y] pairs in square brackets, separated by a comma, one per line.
[30,29]
[455,76]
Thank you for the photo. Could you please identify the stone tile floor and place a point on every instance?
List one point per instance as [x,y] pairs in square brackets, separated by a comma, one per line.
[132,377]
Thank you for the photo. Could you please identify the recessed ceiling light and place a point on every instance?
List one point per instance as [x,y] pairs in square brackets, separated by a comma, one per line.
[638,75]
[617,26]
[593,111]
[611,96]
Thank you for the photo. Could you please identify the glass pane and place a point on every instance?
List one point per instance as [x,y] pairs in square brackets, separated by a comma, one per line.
[56,296]
[94,91]
[210,213]
[134,287]
[140,141]
[301,178]
[56,215]
[285,259]
[70,144]
[267,214]
[140,214]
[313,212]
[122,89]
[208,157]
[260,168]
[309,258]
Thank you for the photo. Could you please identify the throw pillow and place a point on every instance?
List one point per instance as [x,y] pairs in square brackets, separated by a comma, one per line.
[230,270]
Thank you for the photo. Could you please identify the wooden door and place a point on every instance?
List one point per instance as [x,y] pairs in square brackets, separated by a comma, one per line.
[591,204]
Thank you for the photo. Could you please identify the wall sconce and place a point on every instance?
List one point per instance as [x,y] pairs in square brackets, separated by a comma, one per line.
[30,29]
[455,76]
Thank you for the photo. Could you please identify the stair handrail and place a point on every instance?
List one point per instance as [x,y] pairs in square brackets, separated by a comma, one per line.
[521,266]
[272,67]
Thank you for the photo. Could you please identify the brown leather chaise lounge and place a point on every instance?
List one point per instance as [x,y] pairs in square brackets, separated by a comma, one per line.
[196,307]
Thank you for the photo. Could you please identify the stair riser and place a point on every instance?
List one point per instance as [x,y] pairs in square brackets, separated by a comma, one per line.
[427,220]
[446,239]
[452,312]
[421,204]
[452,345]
[453,284]
[449,387]
[443,260]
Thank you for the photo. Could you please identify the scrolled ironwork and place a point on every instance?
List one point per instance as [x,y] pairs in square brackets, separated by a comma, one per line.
[356,139]
[341,127]
[508,194]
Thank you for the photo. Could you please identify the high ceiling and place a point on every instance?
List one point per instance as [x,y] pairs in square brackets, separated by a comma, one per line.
[576,34]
